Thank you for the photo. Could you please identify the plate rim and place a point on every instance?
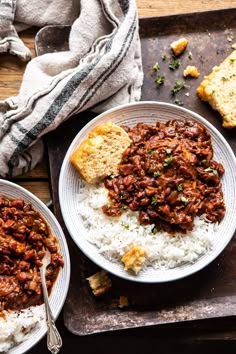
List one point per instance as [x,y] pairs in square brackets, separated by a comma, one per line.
[193,114]
[30,342]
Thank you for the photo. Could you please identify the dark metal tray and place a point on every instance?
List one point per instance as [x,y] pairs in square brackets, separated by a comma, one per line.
[208,294]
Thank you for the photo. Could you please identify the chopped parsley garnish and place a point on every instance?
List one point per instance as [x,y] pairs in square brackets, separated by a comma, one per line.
[124,195]
[154,199]
[179,85]
[184,199]
[126,226]
[180,187]
[190,55]
[150,152]
[164,56]
[124,207]
[167,161]
[224,78]
[154,230]
[171,130]
[232,60]
[156,67]
[173,65]
[156,173]
[160,80]
[211,169]
[178,102]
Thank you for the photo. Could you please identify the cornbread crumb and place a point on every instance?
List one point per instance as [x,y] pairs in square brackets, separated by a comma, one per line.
[100,153]
[134,259]
[123,301]
[179,46]
[100,283]
[219,89]
[191,70]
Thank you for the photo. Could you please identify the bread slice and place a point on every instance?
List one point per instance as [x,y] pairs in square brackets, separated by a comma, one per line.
[219,89]
[101,152]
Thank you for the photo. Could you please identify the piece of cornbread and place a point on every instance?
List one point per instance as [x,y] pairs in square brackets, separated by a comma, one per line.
[219,89]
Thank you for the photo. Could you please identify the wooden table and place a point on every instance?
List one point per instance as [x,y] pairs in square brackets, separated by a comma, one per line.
[37,181]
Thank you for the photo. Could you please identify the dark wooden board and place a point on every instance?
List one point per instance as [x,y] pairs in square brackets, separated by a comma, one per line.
[210,294]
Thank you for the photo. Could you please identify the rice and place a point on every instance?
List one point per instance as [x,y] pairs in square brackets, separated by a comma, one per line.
[16,326]
[114,236]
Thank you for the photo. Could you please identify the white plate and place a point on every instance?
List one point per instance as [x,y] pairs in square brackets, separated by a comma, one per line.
[60,289]
[150,113]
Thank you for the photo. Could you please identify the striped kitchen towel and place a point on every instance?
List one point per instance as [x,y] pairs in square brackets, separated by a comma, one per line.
[102,68]
[9,40]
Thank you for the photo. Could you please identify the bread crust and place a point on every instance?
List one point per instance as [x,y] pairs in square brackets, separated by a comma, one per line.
[100,153]
[219,90]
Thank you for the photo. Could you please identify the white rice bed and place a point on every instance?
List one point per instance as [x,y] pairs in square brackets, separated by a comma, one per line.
[114,236]
[17,326]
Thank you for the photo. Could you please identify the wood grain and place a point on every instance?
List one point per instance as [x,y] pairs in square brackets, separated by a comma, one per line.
[167,7]
[38,188]
[12,69]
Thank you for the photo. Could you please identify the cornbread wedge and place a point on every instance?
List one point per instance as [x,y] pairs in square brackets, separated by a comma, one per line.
[219,89]
[100,153]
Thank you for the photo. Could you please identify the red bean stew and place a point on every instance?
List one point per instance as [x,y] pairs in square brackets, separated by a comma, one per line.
[24,236]
[168,176]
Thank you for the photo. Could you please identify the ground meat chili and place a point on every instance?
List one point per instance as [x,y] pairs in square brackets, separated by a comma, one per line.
[24,236]
[168,176]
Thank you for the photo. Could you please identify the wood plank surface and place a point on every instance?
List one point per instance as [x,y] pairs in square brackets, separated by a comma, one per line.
[12,69]
[168,7]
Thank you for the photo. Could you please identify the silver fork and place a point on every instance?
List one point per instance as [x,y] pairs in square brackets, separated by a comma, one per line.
[54,341]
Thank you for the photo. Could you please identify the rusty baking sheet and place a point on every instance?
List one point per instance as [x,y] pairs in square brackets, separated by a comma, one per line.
[208,294]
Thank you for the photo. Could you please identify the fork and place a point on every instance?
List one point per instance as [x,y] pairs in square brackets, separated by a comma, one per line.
[54,341]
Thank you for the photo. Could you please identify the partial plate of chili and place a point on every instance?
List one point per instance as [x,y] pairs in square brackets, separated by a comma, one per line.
[28,227]
[111,249]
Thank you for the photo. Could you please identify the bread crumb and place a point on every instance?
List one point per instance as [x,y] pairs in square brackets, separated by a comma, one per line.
[100,153]
[123,301]
[191,70]
[230,36]
[134,259]
[219,89]
[100,283]
[179,46]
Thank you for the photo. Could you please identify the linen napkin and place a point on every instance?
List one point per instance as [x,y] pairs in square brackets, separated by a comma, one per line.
[101,69]
[9,40]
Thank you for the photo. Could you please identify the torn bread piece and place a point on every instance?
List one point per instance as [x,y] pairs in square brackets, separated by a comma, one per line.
[191,70]
[179,46]
[123,302]
[219,90]
[100,153]
[134,259]
[100,283]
